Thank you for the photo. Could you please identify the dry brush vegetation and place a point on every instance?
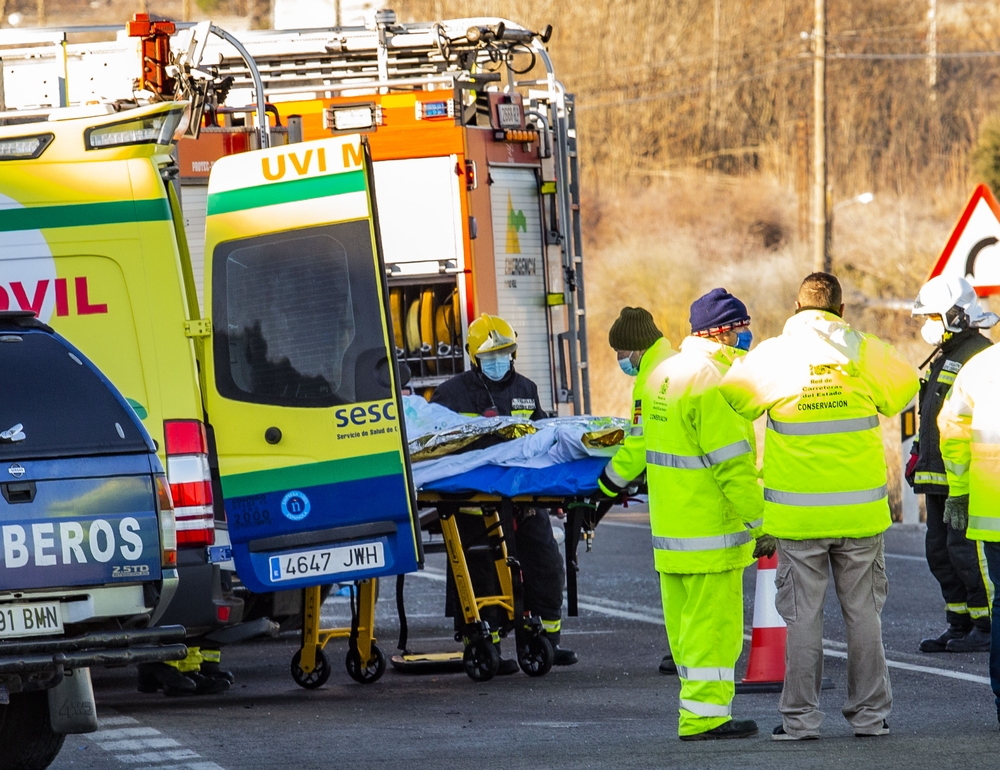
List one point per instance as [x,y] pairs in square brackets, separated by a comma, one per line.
[694,140]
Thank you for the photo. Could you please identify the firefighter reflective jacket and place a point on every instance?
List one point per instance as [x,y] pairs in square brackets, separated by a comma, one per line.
[630,460]
[473,394]
[970,442]
[823,386]
[929,475]
[700,464]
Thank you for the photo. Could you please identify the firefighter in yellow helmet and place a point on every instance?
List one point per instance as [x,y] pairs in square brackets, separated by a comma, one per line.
[704,511]
[823,386]
[969,422]
[640,347]
[491,388]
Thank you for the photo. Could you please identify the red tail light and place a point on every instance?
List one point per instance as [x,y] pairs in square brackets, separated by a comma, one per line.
[190,482]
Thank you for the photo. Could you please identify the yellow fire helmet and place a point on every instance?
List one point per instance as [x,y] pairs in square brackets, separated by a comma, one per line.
[488,334]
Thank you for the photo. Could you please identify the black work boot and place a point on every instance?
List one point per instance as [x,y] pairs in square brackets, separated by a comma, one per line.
[564,657]
[940,643]
[977,640]
[667,665]
[156,676]
[214,671]
[507,666]
[734,728]
[206,685]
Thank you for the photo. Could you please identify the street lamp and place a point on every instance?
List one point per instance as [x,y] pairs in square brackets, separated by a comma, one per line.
[863,198]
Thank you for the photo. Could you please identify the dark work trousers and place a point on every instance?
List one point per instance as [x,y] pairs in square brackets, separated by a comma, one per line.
[992,551]
[542,570]
[954,562]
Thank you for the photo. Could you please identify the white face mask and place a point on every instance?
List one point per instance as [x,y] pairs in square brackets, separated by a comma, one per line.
[933,331]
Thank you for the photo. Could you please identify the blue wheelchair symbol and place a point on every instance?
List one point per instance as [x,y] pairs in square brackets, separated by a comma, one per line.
[295,506]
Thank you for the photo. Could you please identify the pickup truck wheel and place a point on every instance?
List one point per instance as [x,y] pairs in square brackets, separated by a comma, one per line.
[26,738]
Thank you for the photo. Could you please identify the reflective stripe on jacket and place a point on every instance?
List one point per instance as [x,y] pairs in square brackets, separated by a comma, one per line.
[970,442]
[701,464]
[823,385]
[929,473]
[630,460]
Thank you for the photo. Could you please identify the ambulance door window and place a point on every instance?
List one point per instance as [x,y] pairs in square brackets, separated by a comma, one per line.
[297,317]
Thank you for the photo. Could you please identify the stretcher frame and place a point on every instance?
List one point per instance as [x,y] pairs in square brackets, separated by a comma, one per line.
[365,661]
[479,658]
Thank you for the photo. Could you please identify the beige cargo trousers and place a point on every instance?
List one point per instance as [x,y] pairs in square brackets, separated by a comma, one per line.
[858,567]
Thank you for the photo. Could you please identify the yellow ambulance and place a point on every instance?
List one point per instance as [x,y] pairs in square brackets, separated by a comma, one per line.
[284,399]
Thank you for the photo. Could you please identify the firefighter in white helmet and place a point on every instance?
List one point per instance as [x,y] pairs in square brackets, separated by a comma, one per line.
[970,445]
[954,320]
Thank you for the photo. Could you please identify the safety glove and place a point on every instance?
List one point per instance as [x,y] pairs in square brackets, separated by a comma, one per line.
[956,512]
[766,546]
[911,464]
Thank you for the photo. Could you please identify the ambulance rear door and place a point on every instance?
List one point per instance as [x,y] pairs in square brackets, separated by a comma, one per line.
[301,384]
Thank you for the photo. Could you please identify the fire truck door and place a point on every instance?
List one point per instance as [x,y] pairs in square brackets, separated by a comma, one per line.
[519,253]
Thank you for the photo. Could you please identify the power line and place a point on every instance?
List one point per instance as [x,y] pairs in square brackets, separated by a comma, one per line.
[797,65]
[915,56]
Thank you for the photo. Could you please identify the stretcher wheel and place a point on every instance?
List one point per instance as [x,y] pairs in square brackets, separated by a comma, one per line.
[315,678]
[365,674]
[481,660]
[536,657]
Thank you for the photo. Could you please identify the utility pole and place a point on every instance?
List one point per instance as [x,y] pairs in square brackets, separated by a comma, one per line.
[714,83]
[932,64]
[820,203]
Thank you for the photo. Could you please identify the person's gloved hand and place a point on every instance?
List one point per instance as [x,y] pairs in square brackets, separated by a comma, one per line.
[766,546]
[956,512]
[911,465]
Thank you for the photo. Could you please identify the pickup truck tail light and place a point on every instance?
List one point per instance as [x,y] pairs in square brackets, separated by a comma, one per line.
[190,482]
[168,528]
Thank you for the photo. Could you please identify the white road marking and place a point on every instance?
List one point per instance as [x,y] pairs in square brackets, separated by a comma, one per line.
[119,733]
[430,574]
[907,556]
[625,524]
[650,615]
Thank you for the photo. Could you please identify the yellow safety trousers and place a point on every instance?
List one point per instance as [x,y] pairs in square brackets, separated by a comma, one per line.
[704,617]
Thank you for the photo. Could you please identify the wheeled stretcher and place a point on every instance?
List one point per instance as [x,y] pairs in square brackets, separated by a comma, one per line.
[482,492]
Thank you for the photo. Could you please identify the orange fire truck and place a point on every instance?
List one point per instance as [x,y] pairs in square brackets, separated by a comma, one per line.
[472,134]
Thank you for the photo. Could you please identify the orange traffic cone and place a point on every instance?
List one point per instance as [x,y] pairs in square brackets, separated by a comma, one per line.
[766,669]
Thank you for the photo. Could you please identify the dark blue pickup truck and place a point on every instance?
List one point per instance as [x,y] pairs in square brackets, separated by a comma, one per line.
[87,542]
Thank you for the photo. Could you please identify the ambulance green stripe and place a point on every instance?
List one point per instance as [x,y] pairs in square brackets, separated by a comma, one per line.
[83,214]
[286,192]
[314,475]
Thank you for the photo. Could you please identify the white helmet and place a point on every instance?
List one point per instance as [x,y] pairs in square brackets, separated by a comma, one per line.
[954,299]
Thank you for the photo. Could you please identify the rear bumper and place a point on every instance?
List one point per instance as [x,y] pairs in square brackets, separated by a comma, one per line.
[201,599]
[39,664]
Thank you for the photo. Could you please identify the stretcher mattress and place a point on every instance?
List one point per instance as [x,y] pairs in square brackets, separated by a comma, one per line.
[569,479]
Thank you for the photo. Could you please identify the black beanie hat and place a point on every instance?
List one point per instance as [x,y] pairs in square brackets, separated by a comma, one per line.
[634,329]
[718,311]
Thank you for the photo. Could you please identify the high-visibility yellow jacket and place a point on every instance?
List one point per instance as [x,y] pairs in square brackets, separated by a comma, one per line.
[701,466]
[823,386]
[969,422]
[630,460]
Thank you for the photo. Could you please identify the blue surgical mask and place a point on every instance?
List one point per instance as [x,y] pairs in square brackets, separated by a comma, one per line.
[495,367]
[627,366]
[743,339]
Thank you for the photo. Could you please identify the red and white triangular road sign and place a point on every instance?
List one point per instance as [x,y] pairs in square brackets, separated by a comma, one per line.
[973,250]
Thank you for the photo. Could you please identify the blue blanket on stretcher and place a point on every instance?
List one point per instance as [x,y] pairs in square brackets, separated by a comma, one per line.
[572,479]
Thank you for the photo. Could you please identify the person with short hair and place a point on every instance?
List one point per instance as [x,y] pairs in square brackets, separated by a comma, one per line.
[823,386]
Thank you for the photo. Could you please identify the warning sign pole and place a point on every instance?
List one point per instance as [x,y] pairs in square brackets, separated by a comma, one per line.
[908,426]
